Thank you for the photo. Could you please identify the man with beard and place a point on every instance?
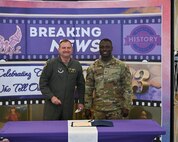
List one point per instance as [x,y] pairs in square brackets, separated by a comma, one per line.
[108,88]
[59,80]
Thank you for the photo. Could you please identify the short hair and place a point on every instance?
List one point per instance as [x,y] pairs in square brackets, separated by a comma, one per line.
[106,39]
[65,40]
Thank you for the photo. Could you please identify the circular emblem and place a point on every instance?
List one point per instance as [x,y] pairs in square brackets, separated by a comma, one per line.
[143,39]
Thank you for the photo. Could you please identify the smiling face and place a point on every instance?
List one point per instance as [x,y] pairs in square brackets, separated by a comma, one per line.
[105,48]
[65,49]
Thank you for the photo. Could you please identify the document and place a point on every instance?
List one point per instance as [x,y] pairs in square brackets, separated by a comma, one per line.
[90,123]
[81,124]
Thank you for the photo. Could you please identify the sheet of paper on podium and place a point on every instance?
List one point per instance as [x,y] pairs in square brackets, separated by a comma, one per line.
[97,123]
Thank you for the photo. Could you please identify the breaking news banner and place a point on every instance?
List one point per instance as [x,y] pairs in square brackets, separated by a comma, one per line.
[29,35]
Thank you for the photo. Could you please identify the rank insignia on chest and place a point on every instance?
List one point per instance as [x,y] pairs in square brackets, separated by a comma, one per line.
[106,72]
[71,70]
[60,70]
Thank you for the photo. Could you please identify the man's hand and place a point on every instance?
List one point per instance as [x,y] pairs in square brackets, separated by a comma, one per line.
[88,113]
[55,101]
[124,112]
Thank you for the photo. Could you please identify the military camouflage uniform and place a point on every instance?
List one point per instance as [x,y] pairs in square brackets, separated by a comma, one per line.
[111,83]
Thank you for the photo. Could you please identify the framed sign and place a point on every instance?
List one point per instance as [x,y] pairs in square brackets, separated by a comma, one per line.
[140,30]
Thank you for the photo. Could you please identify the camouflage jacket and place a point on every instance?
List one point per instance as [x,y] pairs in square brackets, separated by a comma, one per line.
[111,84]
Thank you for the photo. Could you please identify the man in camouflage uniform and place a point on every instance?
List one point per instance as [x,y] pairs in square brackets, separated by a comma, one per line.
[108,84]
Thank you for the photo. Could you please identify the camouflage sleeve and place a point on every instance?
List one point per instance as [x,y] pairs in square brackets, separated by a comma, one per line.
[89,87]
[127,87]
